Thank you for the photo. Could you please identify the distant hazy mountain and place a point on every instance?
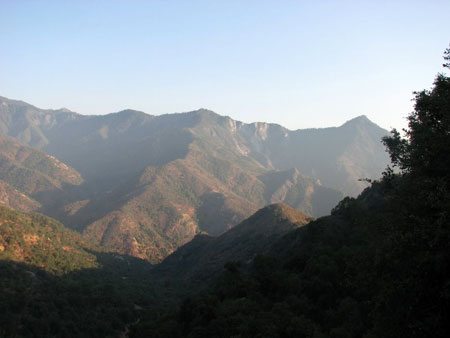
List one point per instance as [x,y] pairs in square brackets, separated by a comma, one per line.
[33,173]
[151,183]
[28,123]
[337,156]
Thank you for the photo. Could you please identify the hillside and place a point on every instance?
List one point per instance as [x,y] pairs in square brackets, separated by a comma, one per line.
[199,261]
[151,183]
[33,172]
[363,271]
[183,198]
[378,266]
[42,242]
[12,198]
[53,283]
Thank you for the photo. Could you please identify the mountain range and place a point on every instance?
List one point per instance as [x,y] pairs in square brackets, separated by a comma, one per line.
[223,221]
[144,185]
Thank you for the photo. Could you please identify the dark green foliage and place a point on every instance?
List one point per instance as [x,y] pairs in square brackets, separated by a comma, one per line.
[447,58]
[41,241]
[377,267]
[88,303]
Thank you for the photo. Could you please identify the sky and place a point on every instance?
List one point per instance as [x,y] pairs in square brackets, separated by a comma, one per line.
[300,64]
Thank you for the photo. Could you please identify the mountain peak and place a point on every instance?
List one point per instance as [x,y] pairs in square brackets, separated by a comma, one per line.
[359,120]
[64,110]
[362,122]
[273,219]
[203,112]
[130,112]
[285,212]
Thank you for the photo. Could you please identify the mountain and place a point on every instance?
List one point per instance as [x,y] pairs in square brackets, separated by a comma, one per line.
[18,161]
[337,156]
[378,266]
[33,173]
[200,260]
[349,274]
[28,123]
[151,183]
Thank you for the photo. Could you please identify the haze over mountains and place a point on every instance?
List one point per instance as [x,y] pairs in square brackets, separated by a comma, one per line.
[144,185]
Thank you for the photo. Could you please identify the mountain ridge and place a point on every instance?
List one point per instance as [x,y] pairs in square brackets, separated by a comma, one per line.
[203,258]
[151,183]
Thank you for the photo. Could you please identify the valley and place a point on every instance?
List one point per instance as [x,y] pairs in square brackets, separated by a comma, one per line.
[224,169]
[144,185]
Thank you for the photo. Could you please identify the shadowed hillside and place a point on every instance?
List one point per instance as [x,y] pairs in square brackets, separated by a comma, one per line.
[201,260]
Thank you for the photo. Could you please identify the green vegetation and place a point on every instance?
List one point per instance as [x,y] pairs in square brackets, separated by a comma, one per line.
[42,242]
[54,284]
[12,198]
[379,266]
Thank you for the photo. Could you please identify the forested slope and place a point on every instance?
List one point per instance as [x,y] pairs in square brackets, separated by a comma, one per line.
[377,267]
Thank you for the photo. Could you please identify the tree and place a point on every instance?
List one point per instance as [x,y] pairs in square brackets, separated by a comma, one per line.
[447,58]
[413,300]
[425,150]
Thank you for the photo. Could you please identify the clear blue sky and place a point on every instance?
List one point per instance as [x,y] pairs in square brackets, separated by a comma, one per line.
[297,63]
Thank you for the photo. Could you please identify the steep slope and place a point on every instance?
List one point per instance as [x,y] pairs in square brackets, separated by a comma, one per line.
[12,198]
[43,242]
[152,182]
[166,209]
[299,191]
[204,257]
[185,197]
[349,274]
[33,172]
[55,284]
[378,266]
[338,156]
[110,147]
[29,124]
